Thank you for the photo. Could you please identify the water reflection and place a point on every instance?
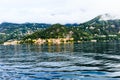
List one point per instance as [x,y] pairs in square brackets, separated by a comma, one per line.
[86,61]
[82,47]
[47,48]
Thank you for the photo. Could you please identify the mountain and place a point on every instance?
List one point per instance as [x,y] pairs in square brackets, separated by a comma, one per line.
[102,25]
[71,25]
[10,31]
[108,17]
[25,28]
[59,31]
[6,27]
[99,27]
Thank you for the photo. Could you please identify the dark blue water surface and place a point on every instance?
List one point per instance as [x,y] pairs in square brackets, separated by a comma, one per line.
[78,61]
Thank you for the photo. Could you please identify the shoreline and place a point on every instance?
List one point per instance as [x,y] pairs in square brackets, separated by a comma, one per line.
[50,41]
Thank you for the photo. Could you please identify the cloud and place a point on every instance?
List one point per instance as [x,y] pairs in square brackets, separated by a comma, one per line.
[55,11]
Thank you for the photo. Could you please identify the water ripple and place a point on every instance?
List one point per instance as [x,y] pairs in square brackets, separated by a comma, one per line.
[84,61]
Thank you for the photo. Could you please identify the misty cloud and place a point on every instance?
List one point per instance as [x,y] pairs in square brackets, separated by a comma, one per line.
[55,11]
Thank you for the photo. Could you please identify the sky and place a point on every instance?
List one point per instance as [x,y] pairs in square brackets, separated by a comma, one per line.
[55,11]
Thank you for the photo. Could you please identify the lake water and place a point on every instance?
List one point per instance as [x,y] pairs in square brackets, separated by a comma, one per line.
[83,61]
